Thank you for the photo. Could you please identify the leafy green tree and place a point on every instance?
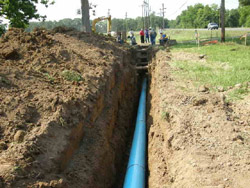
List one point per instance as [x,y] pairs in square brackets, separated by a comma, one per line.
[2,28]
[172,23]
[198,16]
[232,18]
[244,2]
[244,11]
[118,24]
[19,12]
[156,21]
[244,15]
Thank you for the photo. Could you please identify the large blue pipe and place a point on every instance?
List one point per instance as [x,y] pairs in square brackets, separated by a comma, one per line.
[135,175]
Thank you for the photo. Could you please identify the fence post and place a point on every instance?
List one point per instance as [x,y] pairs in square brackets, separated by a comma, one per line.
[246,40]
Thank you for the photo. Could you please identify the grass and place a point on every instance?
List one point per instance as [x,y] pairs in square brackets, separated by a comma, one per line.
[51,78]
[184,35]
[71,76]
[226,65]
[238,94]
[4,80]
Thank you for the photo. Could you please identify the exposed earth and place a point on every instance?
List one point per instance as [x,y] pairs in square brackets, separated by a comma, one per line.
[196,138]
[67,108]
[63,108]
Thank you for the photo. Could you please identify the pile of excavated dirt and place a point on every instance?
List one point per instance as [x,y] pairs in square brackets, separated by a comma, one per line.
[63,108]
[196,139]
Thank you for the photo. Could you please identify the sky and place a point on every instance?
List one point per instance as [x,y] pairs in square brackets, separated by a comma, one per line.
[118,8]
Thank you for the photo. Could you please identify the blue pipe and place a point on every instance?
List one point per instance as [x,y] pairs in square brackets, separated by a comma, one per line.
[135,175]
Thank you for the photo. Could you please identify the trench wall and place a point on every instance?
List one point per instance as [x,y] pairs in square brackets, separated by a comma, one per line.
[99,158]
[83,144]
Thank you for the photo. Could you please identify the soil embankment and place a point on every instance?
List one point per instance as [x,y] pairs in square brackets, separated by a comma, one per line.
[196,139]
[66,105]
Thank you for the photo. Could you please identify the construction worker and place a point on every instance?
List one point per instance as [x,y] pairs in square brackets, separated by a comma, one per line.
[142,36]
[131,33]
[152,35]
[132,37]
[163,39]
[147,35]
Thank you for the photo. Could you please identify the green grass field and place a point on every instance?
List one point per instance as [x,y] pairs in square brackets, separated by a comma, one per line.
[226,65]
[184,35]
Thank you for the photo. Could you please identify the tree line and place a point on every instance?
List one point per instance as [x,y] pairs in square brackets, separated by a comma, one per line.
[117,24]
[196,16]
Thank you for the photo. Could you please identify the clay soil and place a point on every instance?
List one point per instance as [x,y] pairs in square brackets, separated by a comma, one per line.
[196,138]
[50,81]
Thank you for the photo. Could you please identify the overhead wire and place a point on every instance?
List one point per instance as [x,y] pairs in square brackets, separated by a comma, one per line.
[178,8]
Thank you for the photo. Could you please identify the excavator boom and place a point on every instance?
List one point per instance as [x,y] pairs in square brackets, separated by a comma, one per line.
[101,19]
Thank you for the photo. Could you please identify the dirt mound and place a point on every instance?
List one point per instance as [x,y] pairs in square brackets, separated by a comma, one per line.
[49,83]
[196,138]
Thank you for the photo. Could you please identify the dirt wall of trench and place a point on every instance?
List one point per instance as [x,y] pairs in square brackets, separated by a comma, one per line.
[195,139]
[61,133]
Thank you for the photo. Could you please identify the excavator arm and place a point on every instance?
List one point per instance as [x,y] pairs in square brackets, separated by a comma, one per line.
[101,19]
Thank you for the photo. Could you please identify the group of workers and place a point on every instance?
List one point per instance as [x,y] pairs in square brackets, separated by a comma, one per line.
[148,35]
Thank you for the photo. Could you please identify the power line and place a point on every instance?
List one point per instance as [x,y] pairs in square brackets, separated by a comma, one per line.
[178,8]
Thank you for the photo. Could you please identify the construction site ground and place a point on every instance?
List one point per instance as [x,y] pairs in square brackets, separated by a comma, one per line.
[68,104]
[196,139]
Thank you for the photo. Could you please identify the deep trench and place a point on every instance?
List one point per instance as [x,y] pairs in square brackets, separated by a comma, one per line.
[100,158]
[141,57]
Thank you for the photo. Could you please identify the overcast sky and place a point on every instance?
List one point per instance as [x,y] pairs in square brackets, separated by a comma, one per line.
[118,8]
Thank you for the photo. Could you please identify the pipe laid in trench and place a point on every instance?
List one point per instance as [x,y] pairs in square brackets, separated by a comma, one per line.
[135,175]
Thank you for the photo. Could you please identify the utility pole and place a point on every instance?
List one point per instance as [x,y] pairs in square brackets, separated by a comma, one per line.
[146,13]
[108,12]
[149,16]
[126,22]
[222,17]
[163,14]
[142,17]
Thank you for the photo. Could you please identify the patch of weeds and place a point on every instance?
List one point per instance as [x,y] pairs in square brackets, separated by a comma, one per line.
[62,121]
[183,88]
[4,80]
[16,168]
[162,48]
[165,115]
[71,76]
[238,94]
[51,78]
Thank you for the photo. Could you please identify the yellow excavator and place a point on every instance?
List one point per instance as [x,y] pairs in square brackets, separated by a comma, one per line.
[101,19]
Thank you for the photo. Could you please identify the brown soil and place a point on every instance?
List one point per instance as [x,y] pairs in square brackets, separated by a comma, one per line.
[63,108]
[196,139]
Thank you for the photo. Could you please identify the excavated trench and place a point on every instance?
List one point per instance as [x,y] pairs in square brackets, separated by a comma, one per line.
[85,140]
[98,153]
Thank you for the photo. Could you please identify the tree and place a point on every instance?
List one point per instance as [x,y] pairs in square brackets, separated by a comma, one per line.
[19,12]
[232,18]
[244,11]
[85,16]
[2,28]
[244,2]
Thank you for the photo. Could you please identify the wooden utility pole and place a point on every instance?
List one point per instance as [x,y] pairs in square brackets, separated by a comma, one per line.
[85,16]
[142,6]
[222,17]
[163,14]
[126,22]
